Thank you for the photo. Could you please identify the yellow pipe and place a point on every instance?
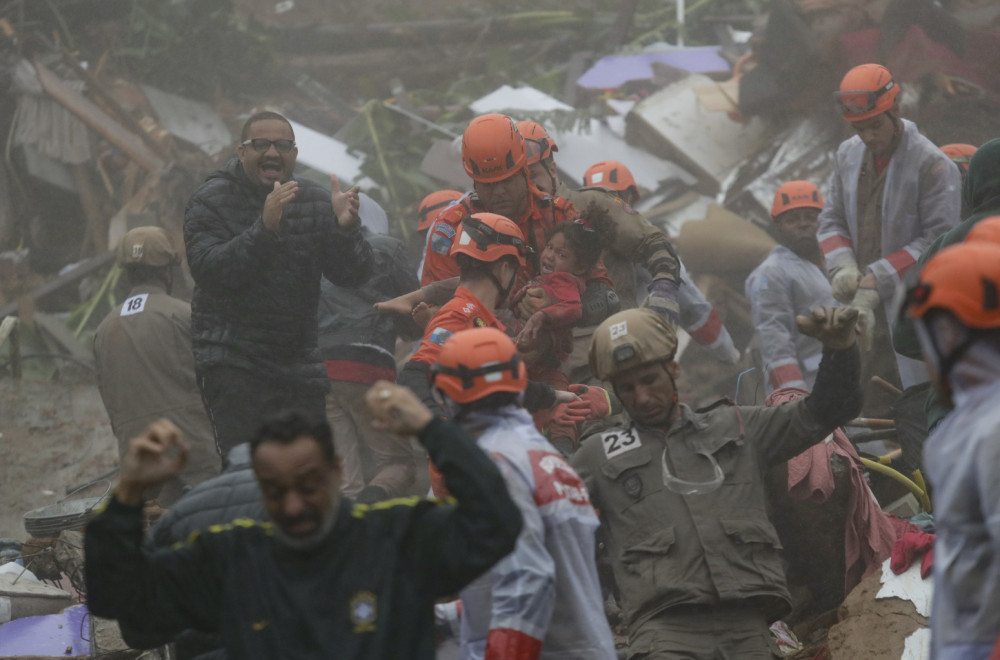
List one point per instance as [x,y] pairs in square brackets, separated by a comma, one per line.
[899,477]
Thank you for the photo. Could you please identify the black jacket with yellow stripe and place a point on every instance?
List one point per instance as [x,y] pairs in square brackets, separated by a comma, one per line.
[366,592]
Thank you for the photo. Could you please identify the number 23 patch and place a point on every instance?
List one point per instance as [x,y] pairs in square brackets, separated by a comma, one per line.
[620,441]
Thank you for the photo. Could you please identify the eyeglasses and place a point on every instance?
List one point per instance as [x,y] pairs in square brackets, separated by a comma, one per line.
[859,101]
[261,145]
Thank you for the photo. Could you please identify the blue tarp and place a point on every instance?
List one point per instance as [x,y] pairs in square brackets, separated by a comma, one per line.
[614,70]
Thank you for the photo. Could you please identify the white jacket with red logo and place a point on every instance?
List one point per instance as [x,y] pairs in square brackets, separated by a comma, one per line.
[543,600]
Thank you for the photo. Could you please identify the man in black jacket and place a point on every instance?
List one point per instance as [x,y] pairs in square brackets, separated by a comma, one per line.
[258,241]
[324,577]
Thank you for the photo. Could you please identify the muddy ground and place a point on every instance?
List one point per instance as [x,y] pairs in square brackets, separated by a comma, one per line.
[53,437]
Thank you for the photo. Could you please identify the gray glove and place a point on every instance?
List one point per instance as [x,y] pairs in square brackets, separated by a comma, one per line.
[833,326]
[845,283]
[663,300]
[865,301]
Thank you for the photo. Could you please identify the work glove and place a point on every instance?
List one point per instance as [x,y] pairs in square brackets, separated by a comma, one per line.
[845,283]
[534,300]
[834,327]
[662,299]
[865,301]
[910,546]
[571,413]
[597,399]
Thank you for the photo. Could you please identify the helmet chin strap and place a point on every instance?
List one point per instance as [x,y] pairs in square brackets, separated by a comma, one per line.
[503,292]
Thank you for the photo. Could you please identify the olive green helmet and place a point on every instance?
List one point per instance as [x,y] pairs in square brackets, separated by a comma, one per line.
[147,246]
[629,339]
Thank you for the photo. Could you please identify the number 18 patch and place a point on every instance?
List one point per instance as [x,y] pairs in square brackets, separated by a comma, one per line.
[620,441]
[134,305]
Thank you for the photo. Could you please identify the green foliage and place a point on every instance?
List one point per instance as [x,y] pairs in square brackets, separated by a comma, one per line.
[195,48]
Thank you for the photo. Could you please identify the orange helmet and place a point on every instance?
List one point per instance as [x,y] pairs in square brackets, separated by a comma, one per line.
[867,90]
[537,141]
[796,195]
[433,204]
[986,230]
[963,279]
[610,174]
[960,154]
[489,237]
[492,148]
[476,363]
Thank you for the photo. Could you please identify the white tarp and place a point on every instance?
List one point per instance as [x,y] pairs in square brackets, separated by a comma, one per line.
[918,645]
[907,586]
[517,98]
[325,154]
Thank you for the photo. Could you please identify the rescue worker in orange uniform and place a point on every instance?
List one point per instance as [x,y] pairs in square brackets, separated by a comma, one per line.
[489,252]
[494,156]
[429,209]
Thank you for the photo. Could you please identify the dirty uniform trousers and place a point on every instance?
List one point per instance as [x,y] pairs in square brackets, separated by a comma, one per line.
[238,400]
[370,457]
[695,632]
[881,359]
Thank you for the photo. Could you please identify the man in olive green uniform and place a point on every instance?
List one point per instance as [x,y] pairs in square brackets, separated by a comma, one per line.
[681,492]
[145,367]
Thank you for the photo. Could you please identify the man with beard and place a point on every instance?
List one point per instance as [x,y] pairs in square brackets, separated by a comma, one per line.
[258,240]
[325,577]
[892,192]
[789,283]
[681,492]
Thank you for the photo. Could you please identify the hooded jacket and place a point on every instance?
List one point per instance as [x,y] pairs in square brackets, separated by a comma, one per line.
[256,290]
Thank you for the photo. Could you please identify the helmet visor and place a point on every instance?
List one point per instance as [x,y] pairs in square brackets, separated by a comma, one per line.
[537,150]
[860,101]
[484,236]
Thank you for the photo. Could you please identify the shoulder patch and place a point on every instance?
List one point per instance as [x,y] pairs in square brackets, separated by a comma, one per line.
[556,480]
[134,305]
[478,322]
[440,244]
[439,336]
[619,441]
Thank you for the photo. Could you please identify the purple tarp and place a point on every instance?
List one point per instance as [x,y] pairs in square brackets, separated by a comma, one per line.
[58,635]
[614,70]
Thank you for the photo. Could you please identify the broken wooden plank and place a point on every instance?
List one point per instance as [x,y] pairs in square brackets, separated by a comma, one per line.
[98,120]
[108,98]
[85,268]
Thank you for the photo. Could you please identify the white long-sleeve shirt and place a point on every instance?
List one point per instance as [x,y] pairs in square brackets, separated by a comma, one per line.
[782,287]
